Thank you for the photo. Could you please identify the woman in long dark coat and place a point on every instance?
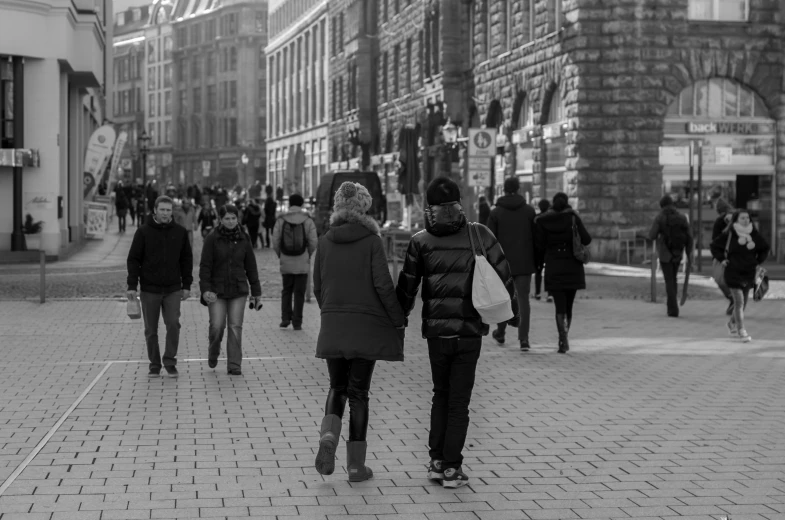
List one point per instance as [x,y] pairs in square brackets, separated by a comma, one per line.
[564,274]
[362,322]
[741,249]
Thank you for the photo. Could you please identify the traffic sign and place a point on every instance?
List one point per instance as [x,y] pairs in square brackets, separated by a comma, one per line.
[482,142]
[479,171]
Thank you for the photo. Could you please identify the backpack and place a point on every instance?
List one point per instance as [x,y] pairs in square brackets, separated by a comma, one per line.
[675,234]
[294,241]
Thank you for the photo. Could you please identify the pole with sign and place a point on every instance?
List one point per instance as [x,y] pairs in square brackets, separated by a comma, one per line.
[700,204]
[482,148]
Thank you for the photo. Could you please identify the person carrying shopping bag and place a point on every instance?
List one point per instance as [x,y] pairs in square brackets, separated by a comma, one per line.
[226,270]
[740,249]
[361,323]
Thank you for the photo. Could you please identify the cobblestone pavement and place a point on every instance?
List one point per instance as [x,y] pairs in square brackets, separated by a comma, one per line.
[646,417]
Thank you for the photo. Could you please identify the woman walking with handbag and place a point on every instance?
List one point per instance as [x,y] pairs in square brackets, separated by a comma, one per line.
[361,323]
[740,249]
[227,268]
[564,275]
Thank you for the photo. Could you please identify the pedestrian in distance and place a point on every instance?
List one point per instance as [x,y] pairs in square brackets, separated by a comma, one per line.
[160,262]
[141,212]
[251,218]
[279,197]
[207,217]
[121,206]
[512,223]
[227,274]
[564,274]
[442,257]
[721,223]
[361,323]
[270,208]
[255,192]
[672,233]
[483,211]
[294,241]
[185,215]
[543,205]
[740,249]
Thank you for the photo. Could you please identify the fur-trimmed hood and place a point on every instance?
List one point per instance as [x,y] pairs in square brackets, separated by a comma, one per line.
[350,226]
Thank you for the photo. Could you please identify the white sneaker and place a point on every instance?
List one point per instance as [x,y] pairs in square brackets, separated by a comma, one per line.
[746,338]
[732,330]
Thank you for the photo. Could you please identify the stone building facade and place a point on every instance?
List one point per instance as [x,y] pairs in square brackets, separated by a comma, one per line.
[587,103]
[219,100]
[297,65]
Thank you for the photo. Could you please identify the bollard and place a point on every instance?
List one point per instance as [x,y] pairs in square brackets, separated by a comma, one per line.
[42,259]
[654,272]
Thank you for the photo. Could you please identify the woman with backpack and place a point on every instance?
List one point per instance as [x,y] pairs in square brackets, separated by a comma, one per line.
[564,274]
[361,323]
[740,249]
[294,241]
[226,270]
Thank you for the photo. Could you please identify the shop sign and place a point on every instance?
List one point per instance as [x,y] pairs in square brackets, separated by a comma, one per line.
[553,130]
[723,155]
[97,215]
[125,164]
[376,160]
[674,155]
[482,142]
[520,136]
[712,127]
[20,158]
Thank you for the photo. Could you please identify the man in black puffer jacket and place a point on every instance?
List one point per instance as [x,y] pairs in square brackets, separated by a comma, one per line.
[442,257]
[161,262]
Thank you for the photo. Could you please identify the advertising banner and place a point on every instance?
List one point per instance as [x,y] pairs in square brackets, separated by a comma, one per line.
[97,215]
[99,148]
[118,151]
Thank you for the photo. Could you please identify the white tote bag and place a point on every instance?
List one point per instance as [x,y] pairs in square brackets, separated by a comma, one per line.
[489,296]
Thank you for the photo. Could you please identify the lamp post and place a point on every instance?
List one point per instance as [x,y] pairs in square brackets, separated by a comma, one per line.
[244,160]
[143,142]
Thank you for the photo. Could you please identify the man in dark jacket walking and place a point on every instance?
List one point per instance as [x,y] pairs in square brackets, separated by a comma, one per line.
[512,222]
[161,262]
[483,211]
[721,224]
[442,257]
[672,233]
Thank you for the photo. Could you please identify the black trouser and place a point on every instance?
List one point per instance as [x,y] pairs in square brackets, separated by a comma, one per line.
[267,232]
[563,301]
[293,285]
[350,378]
[121,222]
[453,364]
[254,232]
[669,272]
[537,281]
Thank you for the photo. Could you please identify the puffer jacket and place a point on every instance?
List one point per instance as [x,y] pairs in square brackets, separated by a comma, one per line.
[441,256]
[295,264]
[512,223]
[228,266]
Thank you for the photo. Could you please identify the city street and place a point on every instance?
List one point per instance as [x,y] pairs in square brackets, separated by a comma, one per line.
[646,417]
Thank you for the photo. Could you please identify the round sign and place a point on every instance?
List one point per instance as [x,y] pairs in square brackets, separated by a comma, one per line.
[482,139]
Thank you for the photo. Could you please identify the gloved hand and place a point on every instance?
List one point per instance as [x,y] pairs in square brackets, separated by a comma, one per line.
[255,302]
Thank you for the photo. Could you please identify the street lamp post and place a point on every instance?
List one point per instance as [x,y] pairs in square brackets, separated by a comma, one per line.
[244,160]
[144,140]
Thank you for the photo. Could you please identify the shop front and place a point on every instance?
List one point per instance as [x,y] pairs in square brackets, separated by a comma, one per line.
[732,139]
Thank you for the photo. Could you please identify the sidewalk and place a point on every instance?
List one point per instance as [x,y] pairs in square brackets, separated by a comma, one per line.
[646,417]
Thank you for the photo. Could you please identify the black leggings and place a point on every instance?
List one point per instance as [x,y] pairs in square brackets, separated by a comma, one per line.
[350,378]
[563,301]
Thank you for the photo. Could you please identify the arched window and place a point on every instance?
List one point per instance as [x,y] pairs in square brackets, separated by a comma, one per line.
[556,110]
[718,98]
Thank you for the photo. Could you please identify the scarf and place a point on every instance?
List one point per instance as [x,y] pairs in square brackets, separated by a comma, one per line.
[745,235]
[231,234]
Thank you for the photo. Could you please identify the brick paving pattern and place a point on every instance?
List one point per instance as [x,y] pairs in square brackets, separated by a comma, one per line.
[645,418]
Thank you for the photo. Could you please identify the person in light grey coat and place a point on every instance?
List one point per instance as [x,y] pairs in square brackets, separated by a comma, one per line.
[294,241]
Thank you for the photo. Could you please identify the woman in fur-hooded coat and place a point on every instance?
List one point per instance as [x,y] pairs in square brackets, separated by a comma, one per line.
[362,322]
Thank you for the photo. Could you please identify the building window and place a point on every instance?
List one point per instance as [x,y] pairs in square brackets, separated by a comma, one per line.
[151,105]
[183,101]
[385,10]
[409,65]
[182,67]
[168,103]
[168,75]
[232,94]
[396,90]
[435,38]
[334,99]
[196,34]
[233,58]
[212,98]
[167,48]
[340,98]
[554,15]
[719,10]
[340,30]
[210,64]
[196,68]
[182,136]
[508,25]
[231,131]
[151,51]
[197,100]
[718,98]
[211,133]
[195,134]
[385,78]
[167,132]
[229,24]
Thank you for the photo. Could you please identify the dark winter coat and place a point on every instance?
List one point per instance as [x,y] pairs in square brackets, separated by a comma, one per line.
[270,206]
[121,202]
[484,213]
[720,225]
[160,259]
[554,247]
[512,222]
[662,226]
[207,218]
[441,256]
[228,266]
[361,317]
[740,271]
[252,214]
